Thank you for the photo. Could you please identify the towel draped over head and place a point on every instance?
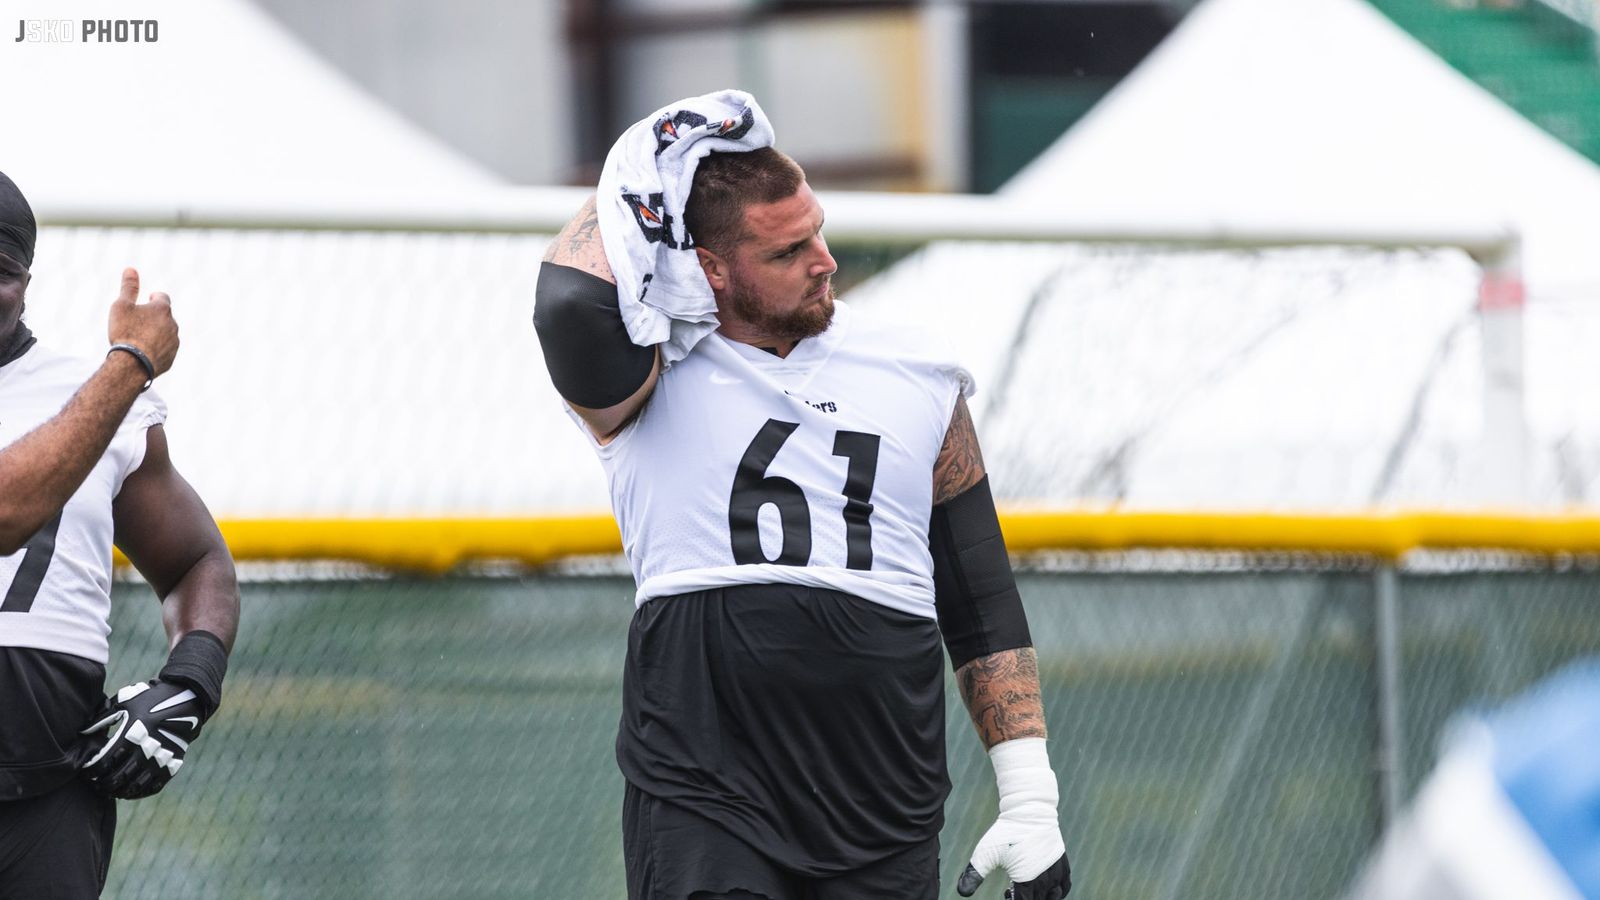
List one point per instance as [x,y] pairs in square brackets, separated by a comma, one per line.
[644,187]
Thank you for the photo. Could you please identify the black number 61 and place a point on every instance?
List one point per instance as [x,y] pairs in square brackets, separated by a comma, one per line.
[753,488]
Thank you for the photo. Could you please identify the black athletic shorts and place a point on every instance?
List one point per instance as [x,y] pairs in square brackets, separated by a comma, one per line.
[673,854]
[55,831]
[56,846]
[46,698]
[808,722]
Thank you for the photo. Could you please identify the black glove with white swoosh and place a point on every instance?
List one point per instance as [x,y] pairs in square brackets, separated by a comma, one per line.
[148,726]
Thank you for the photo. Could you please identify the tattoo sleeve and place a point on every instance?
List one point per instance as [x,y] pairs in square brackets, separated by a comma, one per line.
[1001,692]
[960,463]
[579,244]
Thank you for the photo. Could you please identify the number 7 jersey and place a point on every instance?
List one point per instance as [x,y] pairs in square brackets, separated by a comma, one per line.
[55,593]
[813,469]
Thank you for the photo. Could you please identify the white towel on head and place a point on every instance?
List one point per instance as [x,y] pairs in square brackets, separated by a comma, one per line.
[643,188]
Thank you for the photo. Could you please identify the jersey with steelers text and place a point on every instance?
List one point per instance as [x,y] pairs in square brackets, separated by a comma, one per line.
[812,469]
[55,593]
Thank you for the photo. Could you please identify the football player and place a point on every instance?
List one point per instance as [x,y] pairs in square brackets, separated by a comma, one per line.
[85,465]
[806,512]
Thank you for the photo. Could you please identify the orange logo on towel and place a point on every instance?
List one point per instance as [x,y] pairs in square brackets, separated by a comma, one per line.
[667,127]
[655,223]
[670,128]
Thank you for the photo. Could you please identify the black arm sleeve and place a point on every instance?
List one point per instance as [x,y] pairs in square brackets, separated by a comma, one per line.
[586,347]
[975,591]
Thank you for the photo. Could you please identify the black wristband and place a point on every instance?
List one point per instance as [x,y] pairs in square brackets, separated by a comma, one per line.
[144,361]
[198,663]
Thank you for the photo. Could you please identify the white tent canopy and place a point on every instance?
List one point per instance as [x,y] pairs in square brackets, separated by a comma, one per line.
[1285,379]
[224,102]
[321,373]
[1303,111]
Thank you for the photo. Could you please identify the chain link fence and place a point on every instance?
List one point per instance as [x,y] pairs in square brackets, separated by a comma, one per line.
[1214,729]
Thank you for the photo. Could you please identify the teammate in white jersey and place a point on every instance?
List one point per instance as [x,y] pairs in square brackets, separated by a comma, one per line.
[83,463]
[805,509]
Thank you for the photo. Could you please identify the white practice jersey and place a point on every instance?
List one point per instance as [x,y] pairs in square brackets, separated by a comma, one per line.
[57,591]
[815,469]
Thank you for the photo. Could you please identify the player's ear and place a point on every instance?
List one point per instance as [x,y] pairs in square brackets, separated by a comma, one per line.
[715,267]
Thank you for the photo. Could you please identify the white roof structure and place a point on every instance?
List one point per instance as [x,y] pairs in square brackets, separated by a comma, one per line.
[225,101]
[1299,379]
[1323,110]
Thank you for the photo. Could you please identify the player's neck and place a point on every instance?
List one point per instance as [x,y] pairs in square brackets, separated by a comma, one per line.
[780,348]
[14,343]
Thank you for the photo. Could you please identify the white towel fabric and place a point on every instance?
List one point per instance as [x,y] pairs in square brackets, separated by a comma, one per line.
[643,188]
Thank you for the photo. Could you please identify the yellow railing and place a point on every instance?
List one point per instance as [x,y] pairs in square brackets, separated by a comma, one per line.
[1385,534]
[426,545]
[437,545]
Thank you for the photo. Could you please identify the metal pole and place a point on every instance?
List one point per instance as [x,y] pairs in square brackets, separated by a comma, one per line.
[1501,300]
[1391,737]
[947,105]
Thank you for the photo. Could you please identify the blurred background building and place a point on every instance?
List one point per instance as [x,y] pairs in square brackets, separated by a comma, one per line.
[943,95]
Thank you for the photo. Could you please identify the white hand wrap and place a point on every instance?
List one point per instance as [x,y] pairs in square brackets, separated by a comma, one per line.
[1026,838]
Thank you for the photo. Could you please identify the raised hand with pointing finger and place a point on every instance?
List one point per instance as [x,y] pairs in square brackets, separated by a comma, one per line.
[146,331]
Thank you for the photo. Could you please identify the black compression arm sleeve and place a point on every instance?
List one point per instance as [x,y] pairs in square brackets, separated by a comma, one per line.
[975,592]
[586,347]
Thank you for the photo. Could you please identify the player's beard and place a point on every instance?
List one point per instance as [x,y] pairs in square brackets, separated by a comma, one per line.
[794,325]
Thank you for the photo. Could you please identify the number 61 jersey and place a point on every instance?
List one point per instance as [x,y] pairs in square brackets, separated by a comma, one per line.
[813,469]
[55,593]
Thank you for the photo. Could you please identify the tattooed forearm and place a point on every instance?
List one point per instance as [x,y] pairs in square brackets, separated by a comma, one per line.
[1001,691]
[960,463]
[579,244]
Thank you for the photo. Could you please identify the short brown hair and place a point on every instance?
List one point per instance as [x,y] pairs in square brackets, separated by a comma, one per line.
[725,183]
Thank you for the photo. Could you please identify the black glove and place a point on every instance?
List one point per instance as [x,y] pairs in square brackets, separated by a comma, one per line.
[1053,883]
[148,726]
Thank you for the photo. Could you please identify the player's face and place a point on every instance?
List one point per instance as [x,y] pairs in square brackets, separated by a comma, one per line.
[14,279]
[780,280]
